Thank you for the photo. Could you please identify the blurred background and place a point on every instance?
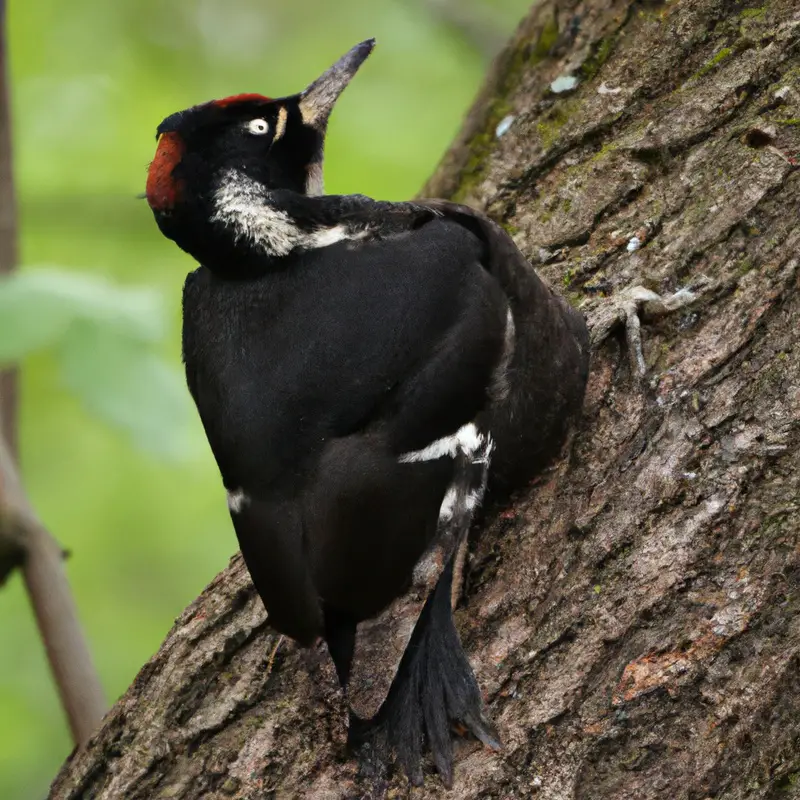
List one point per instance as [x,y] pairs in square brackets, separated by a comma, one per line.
[112,455]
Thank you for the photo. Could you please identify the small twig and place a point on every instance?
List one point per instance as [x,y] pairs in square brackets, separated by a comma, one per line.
[43,572]
[273,653]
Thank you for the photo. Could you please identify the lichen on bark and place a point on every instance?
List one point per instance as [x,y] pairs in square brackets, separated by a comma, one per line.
[634,617]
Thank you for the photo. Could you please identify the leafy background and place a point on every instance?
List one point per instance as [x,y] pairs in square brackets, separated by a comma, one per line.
[113,457]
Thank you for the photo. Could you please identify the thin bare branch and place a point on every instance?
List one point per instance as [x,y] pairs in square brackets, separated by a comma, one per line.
[56,615]
[23,539]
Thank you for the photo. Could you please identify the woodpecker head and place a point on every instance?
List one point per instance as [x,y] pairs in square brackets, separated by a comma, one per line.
[234,150]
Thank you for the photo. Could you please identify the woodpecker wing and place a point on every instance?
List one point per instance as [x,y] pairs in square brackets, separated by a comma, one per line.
[314,379]
[536,392]
[546,375]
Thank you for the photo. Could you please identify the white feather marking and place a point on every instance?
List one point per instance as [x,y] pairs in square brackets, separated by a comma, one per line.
[280,126]
[469,440]
[448,504]
[464,494]
[466,439]
[482,454]
[326,236]
[237,500]
[474,500]
[242,205]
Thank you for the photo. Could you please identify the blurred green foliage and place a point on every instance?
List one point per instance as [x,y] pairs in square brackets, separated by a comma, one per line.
[91,79]
[103,337]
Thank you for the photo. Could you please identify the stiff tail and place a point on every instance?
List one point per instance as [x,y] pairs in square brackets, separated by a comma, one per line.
[434,689]
[340,635]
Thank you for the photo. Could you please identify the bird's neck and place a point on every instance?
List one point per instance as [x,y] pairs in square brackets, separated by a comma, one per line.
[273,223]
[247,229]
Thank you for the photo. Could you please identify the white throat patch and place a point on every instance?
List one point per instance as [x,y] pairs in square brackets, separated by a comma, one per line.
[242,205]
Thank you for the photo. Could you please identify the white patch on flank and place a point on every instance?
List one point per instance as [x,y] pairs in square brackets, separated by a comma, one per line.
[465,493]
[474,500]
[483,453]
[237,500]
[500,388]
[448,504]
[467,439]
[242,204]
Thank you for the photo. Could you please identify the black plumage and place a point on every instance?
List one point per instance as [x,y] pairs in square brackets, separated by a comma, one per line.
[361,369]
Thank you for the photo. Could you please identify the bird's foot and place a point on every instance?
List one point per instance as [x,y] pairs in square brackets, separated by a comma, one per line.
[627,308]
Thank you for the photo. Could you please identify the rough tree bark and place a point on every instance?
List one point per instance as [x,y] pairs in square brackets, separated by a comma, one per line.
[633,617]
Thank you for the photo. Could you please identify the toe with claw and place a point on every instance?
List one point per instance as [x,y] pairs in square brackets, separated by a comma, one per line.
[627,308]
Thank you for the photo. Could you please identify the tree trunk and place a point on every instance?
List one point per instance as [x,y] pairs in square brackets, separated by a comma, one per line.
[633,617]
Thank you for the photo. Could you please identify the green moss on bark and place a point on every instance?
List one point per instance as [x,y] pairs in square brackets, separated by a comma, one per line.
[604,49]
[715,61]
[528,53]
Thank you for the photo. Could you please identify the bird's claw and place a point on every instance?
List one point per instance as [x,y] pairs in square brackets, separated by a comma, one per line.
[626,308]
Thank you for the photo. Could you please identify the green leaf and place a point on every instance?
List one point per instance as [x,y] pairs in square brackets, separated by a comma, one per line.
[38,306]
[122,381]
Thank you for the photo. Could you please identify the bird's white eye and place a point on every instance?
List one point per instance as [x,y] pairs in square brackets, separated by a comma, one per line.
[257,126]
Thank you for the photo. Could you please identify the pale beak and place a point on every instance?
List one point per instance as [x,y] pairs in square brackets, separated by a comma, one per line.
[317,101]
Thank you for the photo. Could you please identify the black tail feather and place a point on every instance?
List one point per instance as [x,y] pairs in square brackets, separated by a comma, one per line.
[433,689]
[340,635]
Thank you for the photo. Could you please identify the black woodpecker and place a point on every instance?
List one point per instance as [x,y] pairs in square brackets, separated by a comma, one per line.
[367,373]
